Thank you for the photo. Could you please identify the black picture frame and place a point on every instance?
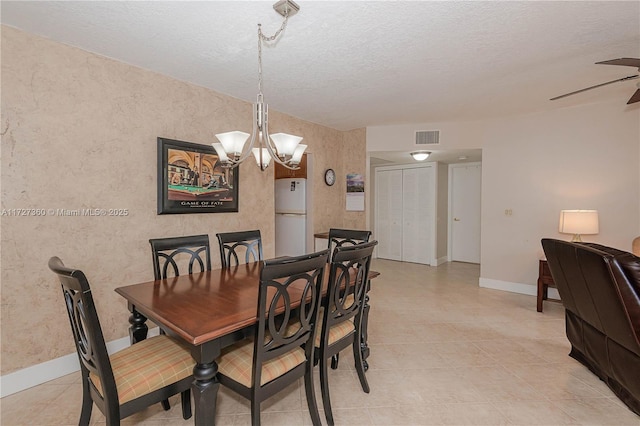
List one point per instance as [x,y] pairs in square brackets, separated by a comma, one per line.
[191,179]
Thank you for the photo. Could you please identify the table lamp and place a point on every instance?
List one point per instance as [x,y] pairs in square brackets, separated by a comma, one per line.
[578,222]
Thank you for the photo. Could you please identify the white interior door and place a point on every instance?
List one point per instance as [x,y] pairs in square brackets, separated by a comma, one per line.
[464,220]
[417,212]
[389,214]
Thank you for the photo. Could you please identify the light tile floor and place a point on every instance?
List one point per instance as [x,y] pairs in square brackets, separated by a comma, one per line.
[443,352]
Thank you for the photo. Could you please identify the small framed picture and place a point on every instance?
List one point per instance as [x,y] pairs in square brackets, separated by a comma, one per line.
[355,192]
[191,179]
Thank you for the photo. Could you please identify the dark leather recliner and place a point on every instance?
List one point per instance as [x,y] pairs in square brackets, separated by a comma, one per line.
[600,290]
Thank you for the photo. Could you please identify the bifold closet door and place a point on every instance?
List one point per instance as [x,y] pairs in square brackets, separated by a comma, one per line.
[417,214]
[405,200]
[389,214]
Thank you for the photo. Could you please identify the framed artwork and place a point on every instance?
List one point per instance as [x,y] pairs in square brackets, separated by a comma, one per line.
[191,179]
[355,192]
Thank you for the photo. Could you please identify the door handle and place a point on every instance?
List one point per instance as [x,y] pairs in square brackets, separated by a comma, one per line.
[455,219]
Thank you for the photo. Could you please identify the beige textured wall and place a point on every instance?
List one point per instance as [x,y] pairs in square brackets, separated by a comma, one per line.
[354,161]
[81,133]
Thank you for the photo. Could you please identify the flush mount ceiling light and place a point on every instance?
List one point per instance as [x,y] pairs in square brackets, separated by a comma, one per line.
[283,148]
[420,155]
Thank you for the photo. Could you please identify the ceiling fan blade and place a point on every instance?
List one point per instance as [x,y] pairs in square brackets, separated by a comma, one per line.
[627,62]
[631,77]
[635,98]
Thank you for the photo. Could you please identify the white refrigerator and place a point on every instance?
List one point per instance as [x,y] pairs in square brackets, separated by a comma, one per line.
[291,217]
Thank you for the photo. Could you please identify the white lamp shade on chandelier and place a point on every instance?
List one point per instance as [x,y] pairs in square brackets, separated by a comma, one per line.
[285,144]
[262,157]
[579,222]
[232,142]
[283,148]
[297,154]
[222,155]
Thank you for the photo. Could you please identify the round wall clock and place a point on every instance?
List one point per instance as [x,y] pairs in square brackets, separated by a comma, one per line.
[329,177]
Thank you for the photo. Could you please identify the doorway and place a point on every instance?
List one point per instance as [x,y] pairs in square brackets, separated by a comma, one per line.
[465,183]
[405,212]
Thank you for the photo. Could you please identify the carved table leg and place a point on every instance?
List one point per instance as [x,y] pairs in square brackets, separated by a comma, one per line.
[205,386]
[138,330]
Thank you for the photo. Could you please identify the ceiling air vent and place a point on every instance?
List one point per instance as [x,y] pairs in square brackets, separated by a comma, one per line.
[427,137]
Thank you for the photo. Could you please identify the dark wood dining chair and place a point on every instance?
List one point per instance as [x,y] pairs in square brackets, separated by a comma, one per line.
[281,350]
[127,381]
[340,320]
[169,254]
[172,252]
[344,237]
[233,244]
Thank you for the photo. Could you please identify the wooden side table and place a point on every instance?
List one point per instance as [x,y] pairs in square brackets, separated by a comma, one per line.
[545,280]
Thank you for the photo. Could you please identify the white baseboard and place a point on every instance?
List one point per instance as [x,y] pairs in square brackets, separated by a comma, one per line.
[441,260]
[49,370]
[520,288]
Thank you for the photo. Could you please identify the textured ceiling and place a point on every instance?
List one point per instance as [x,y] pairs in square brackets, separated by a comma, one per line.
[352,64]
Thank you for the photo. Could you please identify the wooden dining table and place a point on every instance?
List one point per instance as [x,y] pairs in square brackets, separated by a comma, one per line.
[208,311]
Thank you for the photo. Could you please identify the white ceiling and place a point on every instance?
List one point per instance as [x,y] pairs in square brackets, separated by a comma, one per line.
[352,64]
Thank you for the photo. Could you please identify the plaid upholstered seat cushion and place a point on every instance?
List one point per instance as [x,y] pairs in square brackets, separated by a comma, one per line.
[148,366]
[336,333]
[236,362]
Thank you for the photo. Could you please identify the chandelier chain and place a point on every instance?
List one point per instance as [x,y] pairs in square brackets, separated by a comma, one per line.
[283,148]
[261,38]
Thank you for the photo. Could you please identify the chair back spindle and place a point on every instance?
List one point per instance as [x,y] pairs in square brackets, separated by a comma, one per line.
[175,254]
[233,244]
[346,237]
[282,326]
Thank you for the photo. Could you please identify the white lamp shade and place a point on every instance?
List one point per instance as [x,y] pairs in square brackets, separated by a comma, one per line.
[266,158]
[285,144]
[420,155]
[579,222]
[222,156]
[233,142]
[297,154]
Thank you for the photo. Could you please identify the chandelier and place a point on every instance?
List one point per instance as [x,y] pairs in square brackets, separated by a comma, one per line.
[283,148]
